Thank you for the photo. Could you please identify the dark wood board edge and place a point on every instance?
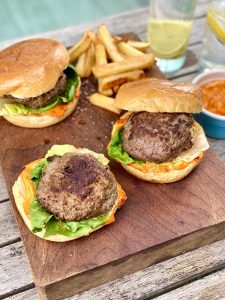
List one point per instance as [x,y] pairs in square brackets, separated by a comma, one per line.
[146,258]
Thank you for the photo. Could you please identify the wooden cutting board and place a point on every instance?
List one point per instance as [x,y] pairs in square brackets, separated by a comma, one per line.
[157,222]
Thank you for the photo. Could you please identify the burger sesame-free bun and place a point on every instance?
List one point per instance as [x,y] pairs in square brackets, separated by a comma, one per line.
[156,95]
[32,67]
[20,196]
[40,121]
[164,177]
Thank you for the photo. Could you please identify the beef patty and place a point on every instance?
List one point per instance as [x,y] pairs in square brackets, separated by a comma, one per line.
[157,137]
[75,187]
[44,99]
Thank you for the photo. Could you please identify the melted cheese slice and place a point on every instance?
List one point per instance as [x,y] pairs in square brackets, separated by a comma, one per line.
[200,144]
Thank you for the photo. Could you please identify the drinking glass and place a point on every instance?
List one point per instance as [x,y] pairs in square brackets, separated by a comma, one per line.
[168,32]
[212,54]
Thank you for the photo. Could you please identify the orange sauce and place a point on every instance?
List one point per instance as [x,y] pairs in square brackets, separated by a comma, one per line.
[57,111]
[120,202]
[214,96]
[142,168]
[29,187]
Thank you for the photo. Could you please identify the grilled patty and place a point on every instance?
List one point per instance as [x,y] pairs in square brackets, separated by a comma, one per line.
[157,137]
[44,99]
[75,187]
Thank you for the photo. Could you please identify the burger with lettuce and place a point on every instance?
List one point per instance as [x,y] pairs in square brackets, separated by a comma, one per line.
[38,87]
[67,194]
[158,140]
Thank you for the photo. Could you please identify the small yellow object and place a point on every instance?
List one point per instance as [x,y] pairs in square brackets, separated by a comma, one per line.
[168,38]
[215,25]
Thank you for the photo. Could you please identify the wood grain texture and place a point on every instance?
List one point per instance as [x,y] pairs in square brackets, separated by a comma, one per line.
[14,261]
[32,295]
[211,287]
[151,281]
[3,191]
[9,230]
[167,222]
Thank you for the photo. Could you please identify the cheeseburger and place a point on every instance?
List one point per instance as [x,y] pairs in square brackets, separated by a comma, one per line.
[67,194]
[157,140]
[37,86]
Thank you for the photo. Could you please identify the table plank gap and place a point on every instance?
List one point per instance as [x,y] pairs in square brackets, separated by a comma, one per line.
[17,291]
[209,287]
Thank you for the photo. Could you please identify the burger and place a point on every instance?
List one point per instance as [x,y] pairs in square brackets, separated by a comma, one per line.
[67,194]
[157,140]
[38,87]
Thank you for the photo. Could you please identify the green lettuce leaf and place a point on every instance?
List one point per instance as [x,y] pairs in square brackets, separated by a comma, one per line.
[37,172]
[67,96]
[39,217]
[74,228]
[116,151]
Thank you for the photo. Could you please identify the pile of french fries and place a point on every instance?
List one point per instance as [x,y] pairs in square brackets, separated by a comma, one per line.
[113,60]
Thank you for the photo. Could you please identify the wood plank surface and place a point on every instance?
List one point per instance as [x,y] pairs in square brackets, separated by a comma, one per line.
[9,233]
[219,147]
[147,283]
[163,223]
[14,262]
[3,191]
[211,287]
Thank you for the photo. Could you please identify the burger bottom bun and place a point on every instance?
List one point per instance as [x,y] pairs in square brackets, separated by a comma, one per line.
[166,177]
[19,193]
[32,121]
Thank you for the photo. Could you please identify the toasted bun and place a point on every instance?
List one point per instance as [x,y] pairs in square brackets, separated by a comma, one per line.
[40,121]
[20,195]
[32,67]
[164,177]
[155,173]
[155,95]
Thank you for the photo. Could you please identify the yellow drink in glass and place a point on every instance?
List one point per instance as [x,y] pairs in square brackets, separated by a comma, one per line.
[168,38]
[168,31]
[212,55]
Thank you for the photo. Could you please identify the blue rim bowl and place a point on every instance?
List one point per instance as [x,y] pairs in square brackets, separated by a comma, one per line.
[213,124]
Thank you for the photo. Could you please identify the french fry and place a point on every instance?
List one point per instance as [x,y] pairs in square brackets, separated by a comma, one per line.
[129,64]
[101,59]
[81,46]
[116,88]
[128,50]
[118,79]
[107,40]
[100,54]
[142,46]
[108,92]
[104,102]
[80,65]
[89,60]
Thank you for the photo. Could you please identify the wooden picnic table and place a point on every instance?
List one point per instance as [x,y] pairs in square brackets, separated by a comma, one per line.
[198,274]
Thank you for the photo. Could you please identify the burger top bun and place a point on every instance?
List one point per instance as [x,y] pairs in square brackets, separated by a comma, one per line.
[31,67]
[156,95]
